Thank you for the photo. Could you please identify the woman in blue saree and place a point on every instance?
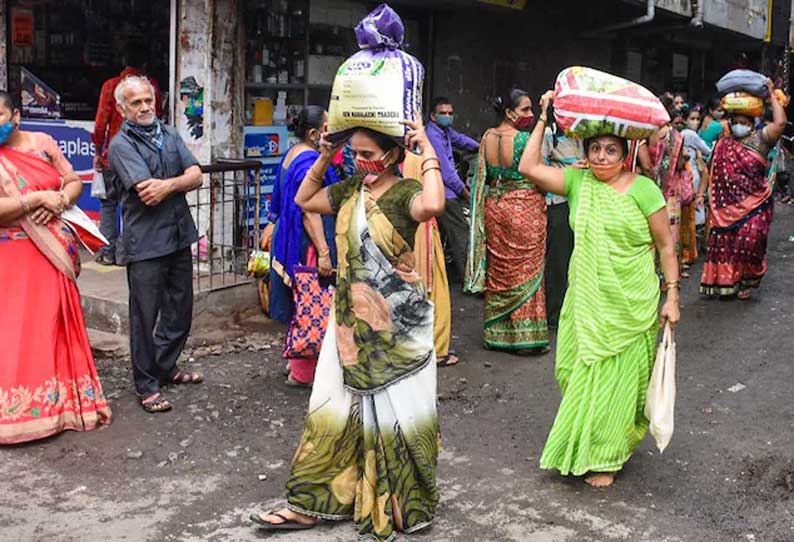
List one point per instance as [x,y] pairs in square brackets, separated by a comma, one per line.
[299,238]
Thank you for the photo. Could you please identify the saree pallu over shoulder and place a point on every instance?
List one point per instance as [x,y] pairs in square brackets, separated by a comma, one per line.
[383,316]
[22,173]
[739,184]
[474,282]
[613,292]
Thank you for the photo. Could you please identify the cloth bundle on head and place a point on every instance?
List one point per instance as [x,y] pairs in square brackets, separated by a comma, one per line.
[380,85]
[590,103]
[743,81]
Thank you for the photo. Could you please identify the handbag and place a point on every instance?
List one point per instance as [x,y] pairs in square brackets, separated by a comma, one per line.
[660,402]
[312,309]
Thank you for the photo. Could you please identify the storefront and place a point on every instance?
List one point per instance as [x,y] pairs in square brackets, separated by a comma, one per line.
[59,52]
[294,47]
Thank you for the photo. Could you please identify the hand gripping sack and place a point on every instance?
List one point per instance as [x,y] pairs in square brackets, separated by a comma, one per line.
[743,81]
[660,403]
[590,103]
[380,85]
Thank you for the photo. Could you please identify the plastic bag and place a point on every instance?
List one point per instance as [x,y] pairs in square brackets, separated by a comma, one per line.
[380,85]
[743,81]
[660,403]
[590,103]
[259,263]
[743,103]
[98,186]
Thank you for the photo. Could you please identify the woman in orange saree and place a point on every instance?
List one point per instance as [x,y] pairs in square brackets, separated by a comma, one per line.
[48,381]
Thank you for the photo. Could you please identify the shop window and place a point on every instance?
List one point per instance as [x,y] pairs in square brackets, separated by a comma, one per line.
[72,46]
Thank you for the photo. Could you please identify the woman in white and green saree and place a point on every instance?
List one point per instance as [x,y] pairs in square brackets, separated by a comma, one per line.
[370,442]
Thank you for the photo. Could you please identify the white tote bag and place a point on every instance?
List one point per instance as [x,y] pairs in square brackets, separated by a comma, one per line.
[660,404]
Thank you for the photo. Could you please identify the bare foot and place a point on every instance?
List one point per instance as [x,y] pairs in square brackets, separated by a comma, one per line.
[600,479]
[277,518]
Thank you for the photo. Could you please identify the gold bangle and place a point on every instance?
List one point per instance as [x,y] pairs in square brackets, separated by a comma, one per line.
[324,253]
[673,284]
[313,177]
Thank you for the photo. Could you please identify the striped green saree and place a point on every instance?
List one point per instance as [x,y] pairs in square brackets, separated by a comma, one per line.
[608,326]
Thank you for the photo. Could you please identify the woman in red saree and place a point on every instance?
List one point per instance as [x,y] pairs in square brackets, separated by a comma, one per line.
[667,161]
[741,204]
[48,381]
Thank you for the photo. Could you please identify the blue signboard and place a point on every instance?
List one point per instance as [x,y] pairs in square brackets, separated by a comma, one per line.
[267,179]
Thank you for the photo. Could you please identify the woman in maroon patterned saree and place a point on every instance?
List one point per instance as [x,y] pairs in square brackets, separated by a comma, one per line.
[48,381]
[741,204]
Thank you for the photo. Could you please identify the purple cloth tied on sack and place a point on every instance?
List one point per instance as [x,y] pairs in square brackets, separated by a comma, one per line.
[382,27]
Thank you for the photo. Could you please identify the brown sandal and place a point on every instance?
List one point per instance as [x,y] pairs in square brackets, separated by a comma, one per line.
[745,294]
[155,403]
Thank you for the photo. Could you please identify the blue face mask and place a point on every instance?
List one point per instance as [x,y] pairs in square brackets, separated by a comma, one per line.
[5,131]
[445,121]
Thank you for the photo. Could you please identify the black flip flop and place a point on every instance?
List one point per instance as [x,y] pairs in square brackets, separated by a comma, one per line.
[444,362]
[287,525]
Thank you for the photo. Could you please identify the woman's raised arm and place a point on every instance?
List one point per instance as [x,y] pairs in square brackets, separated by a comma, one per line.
[311,196]
[531,166]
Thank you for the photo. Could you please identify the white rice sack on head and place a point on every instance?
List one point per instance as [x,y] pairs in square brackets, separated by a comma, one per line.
[379,86]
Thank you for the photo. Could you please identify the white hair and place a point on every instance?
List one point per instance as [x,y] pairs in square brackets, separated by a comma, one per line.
[132,80]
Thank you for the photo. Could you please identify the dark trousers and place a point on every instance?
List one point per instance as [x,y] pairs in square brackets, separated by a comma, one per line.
[559,246]
[107,214]
[161,311]
[455,234]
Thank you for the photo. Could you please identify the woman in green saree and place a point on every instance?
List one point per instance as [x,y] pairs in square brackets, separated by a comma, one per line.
[607,336]
[370,442]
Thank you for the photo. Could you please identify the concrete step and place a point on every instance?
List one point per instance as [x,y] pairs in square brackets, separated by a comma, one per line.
[105,299]
[106,345]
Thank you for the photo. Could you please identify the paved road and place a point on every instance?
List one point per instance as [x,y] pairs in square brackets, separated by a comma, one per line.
[194,474]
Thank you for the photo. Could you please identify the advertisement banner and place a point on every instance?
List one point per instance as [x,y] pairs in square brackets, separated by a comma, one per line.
[39,101]
[267,180]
